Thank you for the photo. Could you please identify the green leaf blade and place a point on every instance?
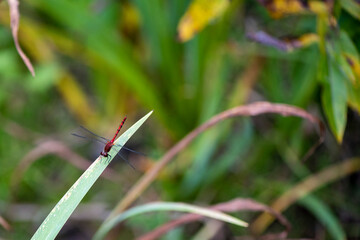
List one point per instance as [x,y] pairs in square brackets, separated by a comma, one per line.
[334,98]
[351,7]
[166,206]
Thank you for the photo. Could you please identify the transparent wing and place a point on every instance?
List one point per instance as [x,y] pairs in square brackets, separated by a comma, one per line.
[90,138]
[87,130]
[130,150]
[125,160]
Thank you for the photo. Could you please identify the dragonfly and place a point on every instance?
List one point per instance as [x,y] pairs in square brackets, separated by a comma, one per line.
[108,144]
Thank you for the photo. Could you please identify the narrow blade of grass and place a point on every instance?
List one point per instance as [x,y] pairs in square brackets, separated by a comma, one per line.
[166,206]
[64,208]
[324,214]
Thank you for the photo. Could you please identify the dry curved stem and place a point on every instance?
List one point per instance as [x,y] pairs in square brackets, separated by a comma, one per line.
[305,187]
[5,224]
[14,18]
[269,237]
[238,204]
[18,131]
[61,150]
[252,109]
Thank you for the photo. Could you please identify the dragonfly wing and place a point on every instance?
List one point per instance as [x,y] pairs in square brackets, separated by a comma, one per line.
[87,130]
[90,138]
[130,150]
[123,158]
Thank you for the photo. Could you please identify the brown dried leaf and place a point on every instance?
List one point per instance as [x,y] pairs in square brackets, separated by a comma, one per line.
[14,18]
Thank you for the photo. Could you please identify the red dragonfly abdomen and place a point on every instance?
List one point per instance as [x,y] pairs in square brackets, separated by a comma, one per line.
[109,144]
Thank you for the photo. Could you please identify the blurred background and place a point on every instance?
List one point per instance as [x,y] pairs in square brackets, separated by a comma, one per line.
[97,61]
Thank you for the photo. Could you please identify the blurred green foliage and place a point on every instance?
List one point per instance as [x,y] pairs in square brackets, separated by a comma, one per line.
[96,61]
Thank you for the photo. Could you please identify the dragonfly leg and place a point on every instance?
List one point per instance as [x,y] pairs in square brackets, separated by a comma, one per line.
[106,158]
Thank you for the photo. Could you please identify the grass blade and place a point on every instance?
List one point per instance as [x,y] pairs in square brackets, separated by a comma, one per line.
[323,213]
[166,206]
[56,219]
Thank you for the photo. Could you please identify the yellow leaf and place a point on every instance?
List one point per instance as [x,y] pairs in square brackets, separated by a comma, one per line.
[198,15]
[308,39]
[281,8]
[76,99]
[318,7]
[130,20]
[355,67]
[354,97]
